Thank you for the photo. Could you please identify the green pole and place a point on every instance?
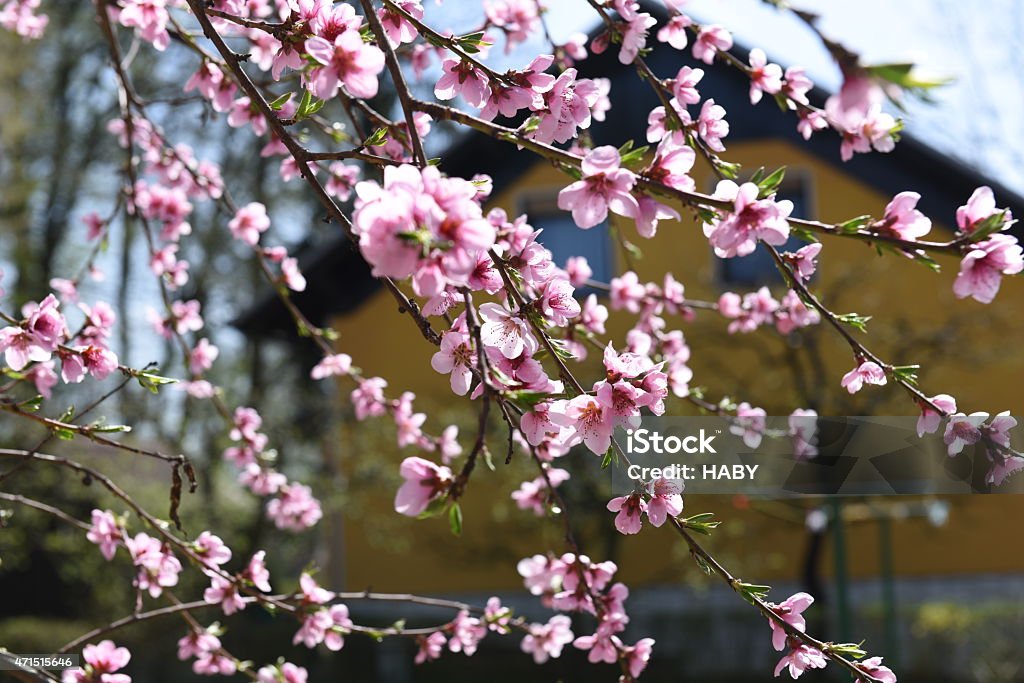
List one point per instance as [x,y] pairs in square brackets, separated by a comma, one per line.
[888,589]
[842,579]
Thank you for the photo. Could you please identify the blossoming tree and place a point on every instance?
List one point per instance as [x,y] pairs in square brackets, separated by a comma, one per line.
[478,285]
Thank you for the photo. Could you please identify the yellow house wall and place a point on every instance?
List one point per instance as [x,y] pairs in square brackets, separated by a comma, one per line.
[904,298]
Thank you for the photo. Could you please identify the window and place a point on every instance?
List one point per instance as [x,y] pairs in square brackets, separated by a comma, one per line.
[758,268]
[564,239]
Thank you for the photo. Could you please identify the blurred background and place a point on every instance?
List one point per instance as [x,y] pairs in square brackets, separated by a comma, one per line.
[934,584]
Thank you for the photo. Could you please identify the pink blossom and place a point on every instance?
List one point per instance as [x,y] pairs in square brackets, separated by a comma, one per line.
[545,641]
[311,592]
[202,356]
[342,179]
[295,508]
[424,482]
[736,232]
[638,656]
[593,315]
[211,549]
[285,673]
[250,221]
[604,186]
[634,38]
[790,611]
[712,126]
[684,86]
[430,647]
[630,508]
[868,372]
[517,18]
[929,421]
[978,208]
[873,667]
[448,444]
[102,659]
[368,398]
[981,270]
[260,480]
[810,122]
[505,331]
[409,423]
[649,212]
[666,500]
[105,532]
[749,423]
[575,47]
[709,41]
[627,292]
[397,28]
[186,316]
[256,571]
[567,106]
[764,77]
[803,429]
[340,625]
[534,495]
[804,261]
[158,567]
[674,32]
[602,646]
[465,79]
[902,218]
[347,61]
[963,430]
[578,270]
[197,644]
[796,86]
[334,365]
[19,16]
[557,302]
[496,616]
[801,658]
[150,18]
[43,377]
[591,421]
[224,593]
[457,358]
[793,314]
[467,632]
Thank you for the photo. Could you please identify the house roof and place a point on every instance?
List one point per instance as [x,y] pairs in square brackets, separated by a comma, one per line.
[339,280]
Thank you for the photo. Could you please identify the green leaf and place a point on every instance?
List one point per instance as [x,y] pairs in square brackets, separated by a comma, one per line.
[993,223]
[906,75]
[279,103]
[152,382]
[704,523]
[434,508]
[907,373]
[855,320]
[853,225]
[64,434]
[609,457]
[634,156]
[455,519]
[770,184]
[377,138]
[304,104]
[753,592]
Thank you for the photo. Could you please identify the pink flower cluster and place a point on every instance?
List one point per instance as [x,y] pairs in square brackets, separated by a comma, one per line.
[573,583]
[101,661]
[736,232]
[754,309]
[20,17]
